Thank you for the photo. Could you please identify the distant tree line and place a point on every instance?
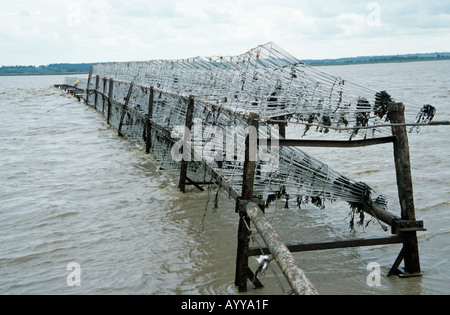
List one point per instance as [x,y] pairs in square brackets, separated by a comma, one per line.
[380,59]
[68,68]
[57,68]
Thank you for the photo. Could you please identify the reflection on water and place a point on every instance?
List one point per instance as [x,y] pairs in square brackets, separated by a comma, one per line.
[72,191]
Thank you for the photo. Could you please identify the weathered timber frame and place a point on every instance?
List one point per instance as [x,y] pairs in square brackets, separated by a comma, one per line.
[250,209]
[404,228]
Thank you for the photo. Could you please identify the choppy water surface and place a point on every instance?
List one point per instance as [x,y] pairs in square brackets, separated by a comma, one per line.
[72,191]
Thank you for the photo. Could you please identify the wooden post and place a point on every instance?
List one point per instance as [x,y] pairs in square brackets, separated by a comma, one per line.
[149,118]
[282,127]
[125,108]
[91,70]
[251,146]
[251,152]
[410,250]
[97,83]
[187,138]
[103,95]
[110,96]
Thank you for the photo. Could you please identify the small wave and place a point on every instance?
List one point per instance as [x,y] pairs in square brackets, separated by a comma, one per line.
[40,257]
[429,236]
[218,286]
[64,215]
[368,172]
[172,190]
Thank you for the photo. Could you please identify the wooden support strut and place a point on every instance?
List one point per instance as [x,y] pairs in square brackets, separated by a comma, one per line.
[187,144]
[103,95]
[91,70]
[110,97]
[125,108]
[410,251]
[97,83]
[256,251]
[149,118]
[248,180]
[326,143]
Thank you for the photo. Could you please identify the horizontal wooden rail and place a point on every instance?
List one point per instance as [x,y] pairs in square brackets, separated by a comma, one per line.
[256,251]
[325,143]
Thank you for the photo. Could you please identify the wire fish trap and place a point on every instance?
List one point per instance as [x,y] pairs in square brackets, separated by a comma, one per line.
[267,81]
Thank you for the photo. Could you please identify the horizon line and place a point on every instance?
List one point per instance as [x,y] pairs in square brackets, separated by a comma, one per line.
[306,59]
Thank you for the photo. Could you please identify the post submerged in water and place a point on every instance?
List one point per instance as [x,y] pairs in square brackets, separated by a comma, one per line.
[149,124]
[97,83]
[187,144]
[110,96]
[103,95]
[242,273]
[410,251]
[125,109]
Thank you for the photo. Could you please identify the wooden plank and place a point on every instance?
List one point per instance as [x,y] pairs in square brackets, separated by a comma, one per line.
[327,143]
[255,281]
[333,245]
[382,215]
[191,182]
[394,269]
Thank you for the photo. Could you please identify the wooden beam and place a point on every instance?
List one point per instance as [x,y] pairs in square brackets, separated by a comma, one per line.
[332,245]
[327,143]
[191,182]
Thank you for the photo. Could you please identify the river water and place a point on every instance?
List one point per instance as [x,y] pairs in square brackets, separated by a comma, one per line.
[71,191]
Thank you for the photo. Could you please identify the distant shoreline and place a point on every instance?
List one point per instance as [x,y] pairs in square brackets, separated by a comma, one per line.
[83,68]
[349,63]
[378,59]
[39,74]
[51,69]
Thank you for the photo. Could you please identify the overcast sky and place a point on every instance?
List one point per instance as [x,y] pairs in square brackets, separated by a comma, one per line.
[54,31]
